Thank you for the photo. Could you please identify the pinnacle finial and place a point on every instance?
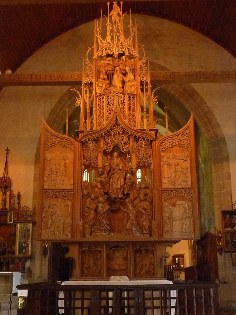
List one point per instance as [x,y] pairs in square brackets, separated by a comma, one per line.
[167,119]
[5,172]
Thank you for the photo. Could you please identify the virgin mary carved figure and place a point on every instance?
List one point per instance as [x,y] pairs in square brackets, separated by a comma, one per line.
[117,176]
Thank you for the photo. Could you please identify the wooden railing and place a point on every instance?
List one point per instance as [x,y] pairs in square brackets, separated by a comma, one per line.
[173,299]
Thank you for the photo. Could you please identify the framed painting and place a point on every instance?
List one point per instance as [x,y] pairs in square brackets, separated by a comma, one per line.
[23,239]
[229,230]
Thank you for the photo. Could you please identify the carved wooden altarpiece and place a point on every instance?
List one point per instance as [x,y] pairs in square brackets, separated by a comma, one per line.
[118,193]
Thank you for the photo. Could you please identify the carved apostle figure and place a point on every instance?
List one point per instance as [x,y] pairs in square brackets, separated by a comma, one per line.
[102,226]
[144,209]
[89,214]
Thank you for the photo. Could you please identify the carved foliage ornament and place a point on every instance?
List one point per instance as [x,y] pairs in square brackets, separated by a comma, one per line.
[52,139]
[88,69]
[185,193]
[180,139]
[90,152]
[120,136]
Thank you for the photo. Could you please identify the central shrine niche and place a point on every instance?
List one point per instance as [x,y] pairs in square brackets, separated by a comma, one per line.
[117,196]
[118,191]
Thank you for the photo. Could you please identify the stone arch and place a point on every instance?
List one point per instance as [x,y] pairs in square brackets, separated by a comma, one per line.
[57,117]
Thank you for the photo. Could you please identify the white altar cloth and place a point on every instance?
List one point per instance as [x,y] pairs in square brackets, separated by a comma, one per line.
[120,283]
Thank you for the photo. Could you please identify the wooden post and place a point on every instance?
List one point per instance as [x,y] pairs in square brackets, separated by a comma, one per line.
[95,302]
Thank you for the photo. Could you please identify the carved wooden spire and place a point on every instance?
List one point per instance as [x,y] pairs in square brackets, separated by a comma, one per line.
[116,79]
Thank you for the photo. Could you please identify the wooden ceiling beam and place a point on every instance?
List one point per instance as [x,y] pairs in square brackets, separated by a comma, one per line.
[23,2]
[160,77]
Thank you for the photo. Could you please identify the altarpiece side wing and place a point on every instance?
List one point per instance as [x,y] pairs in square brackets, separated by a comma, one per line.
[119,190]
[177,185]
[58,185]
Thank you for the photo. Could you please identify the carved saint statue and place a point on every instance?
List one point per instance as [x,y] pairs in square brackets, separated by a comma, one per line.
[117,81]
[130,84]
[89,214]
[115,14]
[102,83]
[117,176]
[101,226]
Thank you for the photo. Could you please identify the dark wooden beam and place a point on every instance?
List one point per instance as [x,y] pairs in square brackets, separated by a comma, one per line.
[160,77]
[57,78]
[194,76]
[22,2]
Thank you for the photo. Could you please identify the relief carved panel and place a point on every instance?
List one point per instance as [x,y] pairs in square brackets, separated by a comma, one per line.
[178,198]
[144,261]
[175,169]
[57,215]
[175,160]
[91,258]
[134,260]
[178,214]
[117,260]
[58,184]
[58,160]
[58,173]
